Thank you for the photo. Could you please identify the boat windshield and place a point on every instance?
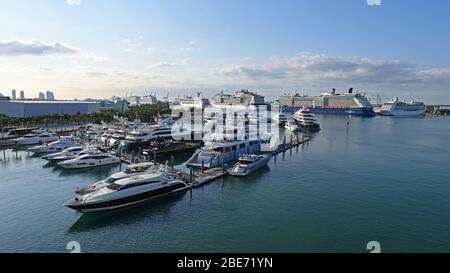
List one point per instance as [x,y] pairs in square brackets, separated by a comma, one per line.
[110,180]
[114,187]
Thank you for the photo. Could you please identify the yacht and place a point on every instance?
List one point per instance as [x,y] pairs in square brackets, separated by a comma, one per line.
[56,146]
[280,119]
[395,107]
[291,126]
[89,160]
[131,170]
[306,120]
[128,191]
[71,152]
[37,137]
[224,148]
[144,136]
[248,164]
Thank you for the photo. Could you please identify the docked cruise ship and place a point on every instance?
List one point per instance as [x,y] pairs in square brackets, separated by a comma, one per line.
[395,107]
[240,100]
[194,102]
[350,103]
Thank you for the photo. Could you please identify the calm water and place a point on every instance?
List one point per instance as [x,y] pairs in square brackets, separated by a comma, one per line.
[382,179]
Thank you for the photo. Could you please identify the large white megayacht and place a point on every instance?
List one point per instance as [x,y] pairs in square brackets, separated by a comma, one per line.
[90,160]
[128,191]
[226,147]
[37,137]
[130,170]
[56,146]
[66,154]
[395,107]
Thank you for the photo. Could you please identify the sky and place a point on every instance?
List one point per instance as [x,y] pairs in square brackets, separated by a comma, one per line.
[100,48]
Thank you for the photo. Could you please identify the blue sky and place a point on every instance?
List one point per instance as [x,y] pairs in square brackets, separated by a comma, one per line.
[100,48]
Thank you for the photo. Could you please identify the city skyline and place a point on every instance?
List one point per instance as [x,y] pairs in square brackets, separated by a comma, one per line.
[98,48]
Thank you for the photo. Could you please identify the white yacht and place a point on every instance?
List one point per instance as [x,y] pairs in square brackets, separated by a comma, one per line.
[280,119]
[53,147]
[143,136]
[248,164]
[131,170]
[306,120]
[128,191]
[224,148]
[89,160]
[395,107]
[37,137]
[291,126]
[67,154]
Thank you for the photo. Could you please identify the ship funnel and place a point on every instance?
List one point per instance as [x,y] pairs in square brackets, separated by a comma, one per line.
[350,91]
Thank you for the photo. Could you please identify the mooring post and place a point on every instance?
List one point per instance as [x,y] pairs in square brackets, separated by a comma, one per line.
[203,165]
[172,160]
[291,138]
[154,156]
[223,165]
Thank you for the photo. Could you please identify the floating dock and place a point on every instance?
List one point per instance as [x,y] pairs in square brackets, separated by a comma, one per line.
[200,178]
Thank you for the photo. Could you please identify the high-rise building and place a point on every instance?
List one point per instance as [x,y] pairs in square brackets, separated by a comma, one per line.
[50,95]
[13,94]
[22,95]
[41,96]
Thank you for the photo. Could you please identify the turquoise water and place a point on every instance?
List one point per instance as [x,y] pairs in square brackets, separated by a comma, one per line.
[380,179]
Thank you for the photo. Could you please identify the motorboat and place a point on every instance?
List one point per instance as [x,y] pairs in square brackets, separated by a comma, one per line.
[130,170]
[53,147]
[129,191]
[67,154]
[291,126]
[306,120]
[248,164]
[89,160]
[37,137]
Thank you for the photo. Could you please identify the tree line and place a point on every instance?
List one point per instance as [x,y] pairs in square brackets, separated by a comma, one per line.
[145,113]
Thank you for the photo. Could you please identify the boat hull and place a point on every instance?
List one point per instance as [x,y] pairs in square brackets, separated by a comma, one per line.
[126,201]
[366,112]
[253,168]
[417,113]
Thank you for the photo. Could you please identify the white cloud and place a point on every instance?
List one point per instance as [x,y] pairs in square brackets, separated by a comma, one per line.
[73,2]
[18,47]
[181,62]
[321,67]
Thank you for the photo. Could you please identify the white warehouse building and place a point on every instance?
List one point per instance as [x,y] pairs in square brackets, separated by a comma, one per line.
[30,108]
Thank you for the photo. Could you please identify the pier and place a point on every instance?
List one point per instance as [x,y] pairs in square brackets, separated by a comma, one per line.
[201,177]
[439,109]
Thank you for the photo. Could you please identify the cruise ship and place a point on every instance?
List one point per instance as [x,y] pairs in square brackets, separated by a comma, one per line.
[242,99]
[395,107]
[350,103]
[194,102]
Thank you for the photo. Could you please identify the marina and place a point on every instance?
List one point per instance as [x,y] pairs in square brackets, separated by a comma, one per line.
[297,182]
